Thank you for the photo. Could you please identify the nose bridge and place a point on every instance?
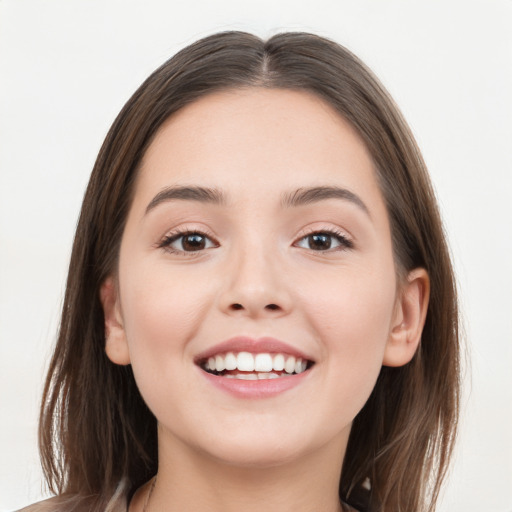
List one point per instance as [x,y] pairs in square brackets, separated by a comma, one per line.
[255,283]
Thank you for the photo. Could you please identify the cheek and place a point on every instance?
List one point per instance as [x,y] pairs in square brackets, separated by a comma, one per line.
[354,307]
[161,316]
[352,320]
[162,312]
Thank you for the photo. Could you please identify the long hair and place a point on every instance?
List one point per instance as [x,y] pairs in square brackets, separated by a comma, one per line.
[95,429]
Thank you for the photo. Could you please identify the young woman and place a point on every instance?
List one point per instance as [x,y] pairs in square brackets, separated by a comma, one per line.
[260,310]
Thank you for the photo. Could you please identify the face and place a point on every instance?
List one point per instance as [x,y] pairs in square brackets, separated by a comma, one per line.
[257,234]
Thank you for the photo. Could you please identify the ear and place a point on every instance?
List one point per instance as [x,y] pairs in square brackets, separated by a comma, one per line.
[116,345]
[409,319]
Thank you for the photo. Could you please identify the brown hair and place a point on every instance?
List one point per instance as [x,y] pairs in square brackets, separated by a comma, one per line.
[95,429]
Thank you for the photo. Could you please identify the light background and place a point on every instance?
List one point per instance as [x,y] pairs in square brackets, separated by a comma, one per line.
[67,67]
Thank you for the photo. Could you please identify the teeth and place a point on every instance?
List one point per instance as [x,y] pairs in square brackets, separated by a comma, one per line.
[278,364]
[262,363]
[230,361]
[252,376]
[245,362]
[247,376]
[263,376]
[289,366]
[219,363]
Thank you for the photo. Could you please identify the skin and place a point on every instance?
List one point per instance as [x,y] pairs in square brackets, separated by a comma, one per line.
[342,306]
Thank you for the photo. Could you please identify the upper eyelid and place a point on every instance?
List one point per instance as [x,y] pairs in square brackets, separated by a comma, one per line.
[166,242]
[172,235]
[182,231]
[345,239]
[333,230]
[186,230]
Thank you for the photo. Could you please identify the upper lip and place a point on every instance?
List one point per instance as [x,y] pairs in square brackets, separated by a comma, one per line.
[252,345]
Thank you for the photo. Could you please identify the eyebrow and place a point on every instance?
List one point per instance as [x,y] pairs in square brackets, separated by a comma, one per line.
[188,193]
[300,197]
[304,196]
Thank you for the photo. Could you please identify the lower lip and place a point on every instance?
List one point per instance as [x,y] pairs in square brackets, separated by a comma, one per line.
[264,388]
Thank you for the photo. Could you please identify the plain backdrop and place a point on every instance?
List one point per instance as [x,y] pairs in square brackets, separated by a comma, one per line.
[67,67]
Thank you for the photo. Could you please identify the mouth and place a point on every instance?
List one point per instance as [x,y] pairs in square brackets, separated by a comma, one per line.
[254,366]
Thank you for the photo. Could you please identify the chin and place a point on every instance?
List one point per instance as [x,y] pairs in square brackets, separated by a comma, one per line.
[260,447]
[257,456]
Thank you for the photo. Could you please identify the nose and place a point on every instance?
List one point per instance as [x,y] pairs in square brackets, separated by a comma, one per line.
[256,285]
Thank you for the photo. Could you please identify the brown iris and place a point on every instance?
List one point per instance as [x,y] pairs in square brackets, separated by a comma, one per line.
[320,241]
[193,242]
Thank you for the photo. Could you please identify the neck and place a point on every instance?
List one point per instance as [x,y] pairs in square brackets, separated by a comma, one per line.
[188,480]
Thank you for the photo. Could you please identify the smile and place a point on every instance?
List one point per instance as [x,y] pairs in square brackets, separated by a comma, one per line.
[246,367]
[250,366]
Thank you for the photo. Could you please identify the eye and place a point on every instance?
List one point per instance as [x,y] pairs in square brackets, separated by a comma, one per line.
[189,241]
[325,241]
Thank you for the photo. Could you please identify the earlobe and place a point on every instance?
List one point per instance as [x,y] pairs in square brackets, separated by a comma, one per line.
[409,319]
[116,346]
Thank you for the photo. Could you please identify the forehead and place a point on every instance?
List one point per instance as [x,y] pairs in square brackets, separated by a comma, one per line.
[257,140]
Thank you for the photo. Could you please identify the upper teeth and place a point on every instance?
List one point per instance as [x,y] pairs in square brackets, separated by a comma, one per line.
[262,362]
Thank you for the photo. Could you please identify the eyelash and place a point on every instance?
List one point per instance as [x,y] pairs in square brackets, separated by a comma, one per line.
[181,233]
[339,236]
[166,244]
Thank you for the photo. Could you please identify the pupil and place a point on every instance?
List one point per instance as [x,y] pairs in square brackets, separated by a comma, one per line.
[193,242]
[320,241]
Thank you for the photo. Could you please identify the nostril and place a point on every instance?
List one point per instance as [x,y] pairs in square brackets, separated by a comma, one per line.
[269,307]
